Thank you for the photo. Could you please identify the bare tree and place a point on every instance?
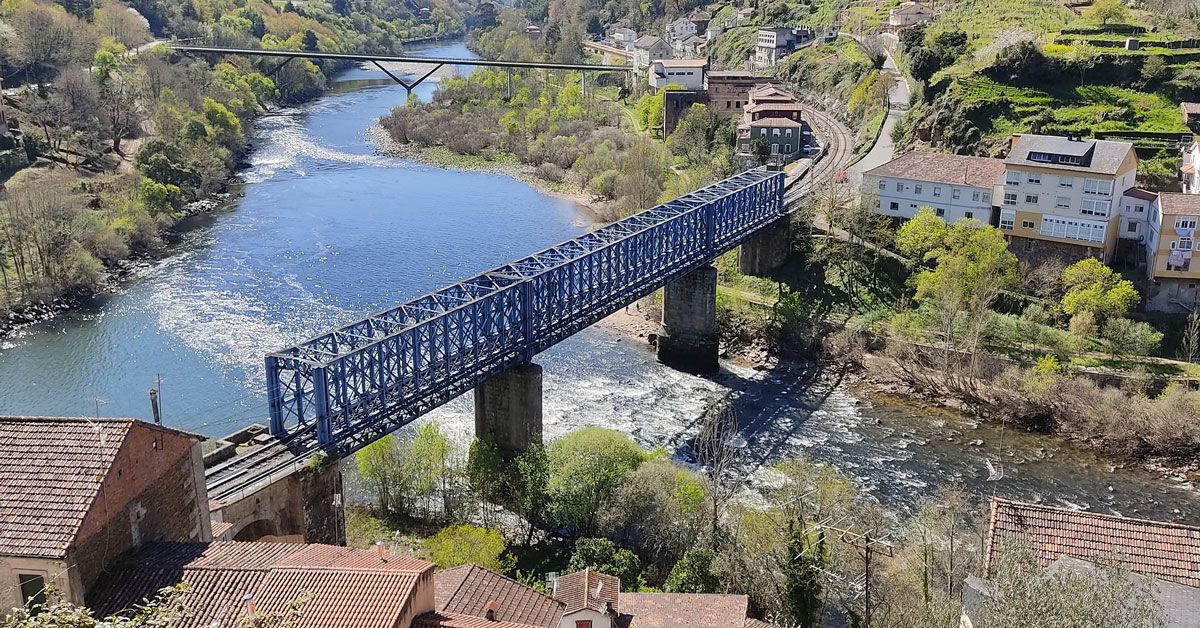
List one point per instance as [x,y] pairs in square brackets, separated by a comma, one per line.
[1189,347]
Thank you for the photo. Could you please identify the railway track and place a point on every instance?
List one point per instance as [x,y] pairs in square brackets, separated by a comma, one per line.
[839,149]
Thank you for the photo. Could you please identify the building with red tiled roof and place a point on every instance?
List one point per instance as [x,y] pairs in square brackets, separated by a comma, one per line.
[339,587]
[75,493]
[594,600]
[473,590]
[671,610]
[1167,551]
[956,187]
[773,118]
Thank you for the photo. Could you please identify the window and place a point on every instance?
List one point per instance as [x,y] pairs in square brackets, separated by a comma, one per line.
[882,184]
[1031,199]
[899,186]
[975,195]
[33,588]
[583,623]
[937,191]
[1028,246]
[1088,230]
[1094,208]
[941,212]
[1184,244]
[1096,186]
[1063,202]
[894,206]
[917,189]
[956,194]
[1026,224]
[1033,156]
[1066,182]
[1007,218]
[1185,223]
[1010,198]
[787,149]
[776,132]
[1132,227]
[968,214]
[1034,178]
[987,196]
[1071,160]
[1139,208]
[1012,178]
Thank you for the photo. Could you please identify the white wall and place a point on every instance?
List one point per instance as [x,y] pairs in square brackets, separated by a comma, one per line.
[599,620]
[907,200]
[688,78]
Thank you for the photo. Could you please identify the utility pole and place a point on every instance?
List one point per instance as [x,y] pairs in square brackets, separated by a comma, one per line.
[154,407]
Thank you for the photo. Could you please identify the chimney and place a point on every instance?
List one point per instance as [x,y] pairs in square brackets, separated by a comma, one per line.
[490,609]
[382,555]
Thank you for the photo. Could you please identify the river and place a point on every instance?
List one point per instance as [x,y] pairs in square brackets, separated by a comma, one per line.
[325,230]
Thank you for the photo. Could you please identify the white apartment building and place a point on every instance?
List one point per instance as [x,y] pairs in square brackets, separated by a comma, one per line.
[956,187]
[687,73]
[1061,195]
[1135,213]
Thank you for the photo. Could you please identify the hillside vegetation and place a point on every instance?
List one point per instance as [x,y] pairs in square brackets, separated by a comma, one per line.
[122,141]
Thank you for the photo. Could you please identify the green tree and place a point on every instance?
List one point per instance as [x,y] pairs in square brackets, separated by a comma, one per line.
[694,135]
[1126,337]
[56,612]
[463,543]
[922,234]
[693,574]
[429,465]
[801,566]
[585,467]
[225,127]
[380,467]
[1083,56]
[1091,286]
[1105,11]
[669,519]
[529,493]
[604,556]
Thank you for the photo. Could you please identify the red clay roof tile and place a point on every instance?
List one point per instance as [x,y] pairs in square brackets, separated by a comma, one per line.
[1167,551]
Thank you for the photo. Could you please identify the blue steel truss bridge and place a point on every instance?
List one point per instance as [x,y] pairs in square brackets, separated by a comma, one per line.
[342,390]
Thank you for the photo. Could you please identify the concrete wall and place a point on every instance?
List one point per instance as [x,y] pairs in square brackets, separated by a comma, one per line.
[508,409]
[690,322]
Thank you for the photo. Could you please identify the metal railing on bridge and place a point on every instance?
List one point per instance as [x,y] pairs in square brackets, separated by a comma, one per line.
[356,383]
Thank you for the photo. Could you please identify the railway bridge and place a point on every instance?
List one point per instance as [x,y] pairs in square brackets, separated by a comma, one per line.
[336,393]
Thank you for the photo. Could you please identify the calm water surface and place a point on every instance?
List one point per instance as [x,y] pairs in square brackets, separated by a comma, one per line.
[326,231]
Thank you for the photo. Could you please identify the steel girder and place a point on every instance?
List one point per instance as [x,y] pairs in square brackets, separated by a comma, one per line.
[343,389]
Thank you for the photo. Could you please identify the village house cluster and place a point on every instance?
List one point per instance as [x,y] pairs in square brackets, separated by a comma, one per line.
[1060,197]
[108,512]
[123,508]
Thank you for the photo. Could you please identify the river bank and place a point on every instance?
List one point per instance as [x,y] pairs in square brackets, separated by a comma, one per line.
[507,165]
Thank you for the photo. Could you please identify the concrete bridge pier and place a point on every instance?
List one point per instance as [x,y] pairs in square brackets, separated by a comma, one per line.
[689,317]
[767,250]
[508,409]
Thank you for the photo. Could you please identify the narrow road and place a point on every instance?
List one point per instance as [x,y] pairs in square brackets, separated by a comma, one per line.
[898,99]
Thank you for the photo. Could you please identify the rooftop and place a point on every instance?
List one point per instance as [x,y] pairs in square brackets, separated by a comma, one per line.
[348,587]
[1177,203]
[979,172]
[587,589]
[774,122]
[466,590]
[648,41]
[1191,108]
[51,470]
[770,91]
[1166,551]
[1145,195]
[682,63]
[671,610]
[1098,156]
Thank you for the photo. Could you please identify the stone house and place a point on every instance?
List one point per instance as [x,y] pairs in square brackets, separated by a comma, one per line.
[76,493]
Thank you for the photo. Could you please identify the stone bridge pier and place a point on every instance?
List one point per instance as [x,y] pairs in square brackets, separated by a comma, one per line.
[767,250]
[304,506]
[689,317]
[508,409]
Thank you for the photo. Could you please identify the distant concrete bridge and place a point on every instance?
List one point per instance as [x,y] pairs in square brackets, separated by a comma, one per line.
[344,389]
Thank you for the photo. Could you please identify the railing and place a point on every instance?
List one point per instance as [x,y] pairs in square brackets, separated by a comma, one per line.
[357,382]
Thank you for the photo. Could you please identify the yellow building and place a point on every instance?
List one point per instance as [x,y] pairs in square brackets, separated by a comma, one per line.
[1060,196]
[1169,248]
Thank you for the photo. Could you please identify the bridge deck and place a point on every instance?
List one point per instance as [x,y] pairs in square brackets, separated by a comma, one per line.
[345,388]
[496,63]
